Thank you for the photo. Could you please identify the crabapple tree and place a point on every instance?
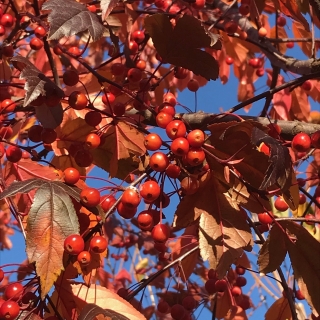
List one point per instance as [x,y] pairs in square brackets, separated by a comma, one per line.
[134,205]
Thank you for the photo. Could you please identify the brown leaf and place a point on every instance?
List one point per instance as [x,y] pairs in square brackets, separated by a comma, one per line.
[224,305]
[282,34]
[236,313]
[182,245]
[299,31]
[51,219]
[105,299]
[280,310]
[305,259]
[222,235]
[273,251]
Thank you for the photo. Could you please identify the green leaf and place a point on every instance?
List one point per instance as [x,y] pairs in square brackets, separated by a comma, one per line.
[181,45]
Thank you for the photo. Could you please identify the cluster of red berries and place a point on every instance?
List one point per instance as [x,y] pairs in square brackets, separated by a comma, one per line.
[74,245]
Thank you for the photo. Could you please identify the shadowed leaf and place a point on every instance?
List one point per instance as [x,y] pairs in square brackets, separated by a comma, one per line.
[36,82]
[279,310]
[107,6]
[50,117]
[51,219]
[68,18]
[187,36]
[91,310]
[273,251]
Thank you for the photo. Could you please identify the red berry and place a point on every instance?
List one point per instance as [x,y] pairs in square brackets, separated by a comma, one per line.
[92,141]
[150,191]
[130,198]
[255,63]
[240,271]
[74,244]
[167,108]
[180,146]
[34,133]
[173,171]
[210,286]
[307,85]
[13,154]
[145,220]
[265,217]
[92,8]
[196,138]
[290,45]
[229,60]
[7,106]
[98,244]
[93,118]
[75,51]
[36,44]
[107,202]
[119,109]
[315,139]
[262,32]
[134,75]
[90,197]
[159,162]
[163,307]
[281,21]
[160,232]
[280,204]
[301,142]
[170,98]
[198,4]
[260,72]
[189,303]
[221,285]
[241,281]
[299,295]
[138,36]
[1,275]
[152,142]
[309,217]
[13,291]
[141,64]
[133,47]
[71,175]
[177,312]
[70,78]
[7,20]
[176,129]
[40,32]
[108,98]
[84,258]
[125,211]
[9,310]
[236,291]
[193,85]
[195,156]
[6,132]
[83,158]
[48,135]
[302,198]
[163,119]
[78,100]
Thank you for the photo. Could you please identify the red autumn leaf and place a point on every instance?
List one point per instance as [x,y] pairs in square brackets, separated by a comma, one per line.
[299,31]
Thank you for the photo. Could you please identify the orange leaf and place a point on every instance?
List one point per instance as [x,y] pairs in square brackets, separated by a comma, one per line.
[105,299]
[300,104]
[282,34]
[299,31]
[280,310]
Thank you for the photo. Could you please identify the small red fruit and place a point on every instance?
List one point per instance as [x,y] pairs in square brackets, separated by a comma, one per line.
[177,312]
[71,175]
[307,85]
[134,75]
[83,158]
[13,291]
[195,156]
[93,118]
[262,32]
[130,198]
[280,204]
[299,295]
[229,60]
[119,109]
[196,138]
[34,133]
[78,100]
[281,21]
[107,202]
[176,129]
[221,285]
[180,146]
[189,303]
[173,171]
[125,211]
[108,98]
[84,258]
[40,32]
[7,106]
[13,154]
[193,85]
[240,271]
[48,135]
[301,142]
[150,191]
[255,63]
[290,44]
[138,36]
[98,244]
[236,291]
[170,98]
[315,139]
[7,20]
[74,51]
[265,217]
[302,198]
[241,281]
[133,47]
[145,220]
[160,232]
[159,162]
[163,307]
[152,142]
[70,78]
[74,244]
[9,310]
[163,119]
[36,44]
[92,141]
[1,275]
[90,197]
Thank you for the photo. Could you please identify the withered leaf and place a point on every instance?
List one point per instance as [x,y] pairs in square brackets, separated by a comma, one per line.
[223,235]
[68,17]
[51,219]
[181,45]
[273,251]
[303,251]
[36,82]
[107,6]
[280,168]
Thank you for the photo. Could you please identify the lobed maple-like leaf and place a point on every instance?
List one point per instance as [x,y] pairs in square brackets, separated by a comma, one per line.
[68,17]
[36,82]
[273,251]
[181,45]
[223,234]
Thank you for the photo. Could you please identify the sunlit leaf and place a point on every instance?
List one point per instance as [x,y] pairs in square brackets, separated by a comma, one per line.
[68,18]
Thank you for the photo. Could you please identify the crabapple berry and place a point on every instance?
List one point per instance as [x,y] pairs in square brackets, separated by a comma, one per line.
[84,258]
[150,191]
[160,232]
[9,310]
[130,198]
[280,204]
[152,142]
[71,175]
[176,129]
[13,154]
[98,244]
[13,291]
[90,197]
[159,162]
[74,244]
[301,142]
